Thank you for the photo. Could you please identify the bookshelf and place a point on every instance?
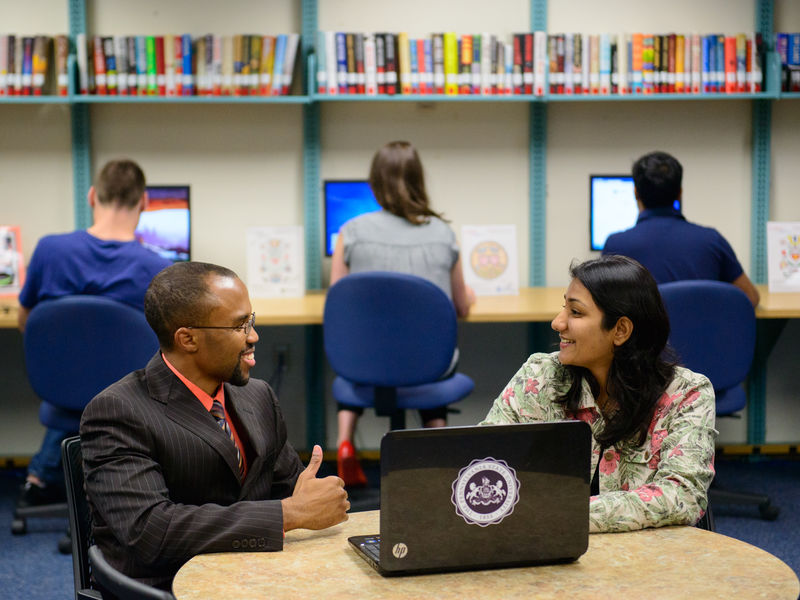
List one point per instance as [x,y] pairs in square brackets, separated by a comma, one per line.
[312,105]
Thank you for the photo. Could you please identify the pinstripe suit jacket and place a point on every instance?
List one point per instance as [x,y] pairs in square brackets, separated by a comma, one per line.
[162,478]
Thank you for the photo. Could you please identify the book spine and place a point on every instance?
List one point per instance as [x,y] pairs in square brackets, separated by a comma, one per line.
[577,63]
[321,51]
[18,65]
[152,73]
[390,48]
[450,44]
[110,65]
[39,63]
[648,81]
[187,87]
[488,43]
[292,43]
[720,72]
[370,65]
[341,61]
[352,84]
[255,64]
[594,64]
[730,64]
[3,65]
[623,86]
[100,67]
[527,63]
[130,65]
[637,56]
[465,65]
[508,64]
[82,63]
[540,64]
[697,64]
[680,61]
[380,63]
[331,63]
[517,80]
[672,43]
[121,54]
[161,66]
[657,75]
[278,64]
[560,73]
[741,62]
[427,47]
[605,64]
[226,69]
[475,79]
[793,57]
[404,62]
[438,63]
[358,53]
[414,61]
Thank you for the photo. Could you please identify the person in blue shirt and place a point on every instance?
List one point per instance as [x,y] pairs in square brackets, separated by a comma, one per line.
[662,240]
[104,260]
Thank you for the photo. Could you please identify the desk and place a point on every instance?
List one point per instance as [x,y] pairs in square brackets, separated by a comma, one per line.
[670,562]
[531,305]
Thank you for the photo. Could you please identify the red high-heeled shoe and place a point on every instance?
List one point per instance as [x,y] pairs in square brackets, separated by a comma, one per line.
[349,467]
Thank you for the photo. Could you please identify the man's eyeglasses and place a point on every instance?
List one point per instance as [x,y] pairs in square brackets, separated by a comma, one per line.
[247,326]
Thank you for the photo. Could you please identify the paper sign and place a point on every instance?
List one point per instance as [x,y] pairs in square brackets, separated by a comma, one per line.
[489,259]
[12,266]
[275,262]
[783,256]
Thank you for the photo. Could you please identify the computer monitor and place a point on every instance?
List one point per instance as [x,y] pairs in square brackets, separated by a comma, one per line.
[165,226]
[343,201]
[612,207]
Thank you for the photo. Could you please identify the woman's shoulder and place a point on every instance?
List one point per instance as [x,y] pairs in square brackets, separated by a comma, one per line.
[690,384]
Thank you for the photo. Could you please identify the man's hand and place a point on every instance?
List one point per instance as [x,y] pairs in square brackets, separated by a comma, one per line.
[315,503]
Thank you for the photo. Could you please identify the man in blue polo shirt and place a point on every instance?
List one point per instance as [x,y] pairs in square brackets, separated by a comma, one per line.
[104,260]
[670,247]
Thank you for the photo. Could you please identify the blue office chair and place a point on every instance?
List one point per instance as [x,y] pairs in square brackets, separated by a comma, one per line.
[390,337]
[75,347]
[713,331]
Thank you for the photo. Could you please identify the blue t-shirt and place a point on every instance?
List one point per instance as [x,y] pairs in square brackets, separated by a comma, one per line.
[78,263]
[673,249]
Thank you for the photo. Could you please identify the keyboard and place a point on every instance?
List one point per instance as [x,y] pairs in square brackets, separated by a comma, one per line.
[372,547]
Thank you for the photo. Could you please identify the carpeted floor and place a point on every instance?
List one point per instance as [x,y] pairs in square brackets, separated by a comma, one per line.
[32,568]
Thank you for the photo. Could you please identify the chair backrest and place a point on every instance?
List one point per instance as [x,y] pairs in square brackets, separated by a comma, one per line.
[79,521]
[88,561]
[87,342]
[388,329]
[712,328]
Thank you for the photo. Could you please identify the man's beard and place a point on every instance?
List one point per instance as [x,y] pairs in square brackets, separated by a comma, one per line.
[237,377]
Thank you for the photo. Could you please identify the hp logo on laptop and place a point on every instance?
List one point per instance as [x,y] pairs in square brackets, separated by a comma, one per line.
[399,550]
[485,491]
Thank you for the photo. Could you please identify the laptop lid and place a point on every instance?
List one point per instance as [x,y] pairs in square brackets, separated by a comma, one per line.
[460,498]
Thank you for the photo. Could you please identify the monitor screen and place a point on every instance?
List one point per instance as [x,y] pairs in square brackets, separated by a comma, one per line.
[612,207]
[343,201]
[164,227]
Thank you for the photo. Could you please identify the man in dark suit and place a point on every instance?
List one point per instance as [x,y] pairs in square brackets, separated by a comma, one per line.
[189,455]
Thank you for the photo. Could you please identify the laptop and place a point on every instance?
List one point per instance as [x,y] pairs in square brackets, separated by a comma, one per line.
[462,498]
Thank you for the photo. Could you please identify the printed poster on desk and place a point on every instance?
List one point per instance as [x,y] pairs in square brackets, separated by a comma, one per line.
[276,262]
[783,256]
[489,259]
[12,265]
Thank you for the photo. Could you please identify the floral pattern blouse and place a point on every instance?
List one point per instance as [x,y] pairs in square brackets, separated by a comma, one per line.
[661,482]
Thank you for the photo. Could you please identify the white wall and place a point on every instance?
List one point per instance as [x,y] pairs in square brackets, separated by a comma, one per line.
[244,163]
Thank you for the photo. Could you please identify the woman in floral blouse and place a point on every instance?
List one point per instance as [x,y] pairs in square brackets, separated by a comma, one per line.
[652,422]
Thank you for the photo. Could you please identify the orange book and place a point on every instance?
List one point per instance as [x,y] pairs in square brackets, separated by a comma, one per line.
[637,43]
[730,64]
[465,66]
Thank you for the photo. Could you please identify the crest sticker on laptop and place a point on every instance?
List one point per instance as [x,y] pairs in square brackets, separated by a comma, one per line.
[485,491]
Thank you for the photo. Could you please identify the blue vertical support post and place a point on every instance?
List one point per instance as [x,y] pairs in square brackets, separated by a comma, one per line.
[81,142]
[539,334]
[315,360]
[765,333]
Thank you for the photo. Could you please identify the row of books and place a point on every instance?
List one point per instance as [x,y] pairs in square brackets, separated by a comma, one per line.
[180,65]
[537,63]
[30,64]
[787,45]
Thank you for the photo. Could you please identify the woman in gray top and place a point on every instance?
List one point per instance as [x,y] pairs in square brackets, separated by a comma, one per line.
[407,236]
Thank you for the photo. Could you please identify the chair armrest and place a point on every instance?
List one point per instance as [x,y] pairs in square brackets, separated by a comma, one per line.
[119,584]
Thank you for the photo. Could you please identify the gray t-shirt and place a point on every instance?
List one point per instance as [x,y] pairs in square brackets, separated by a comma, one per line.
[381,241]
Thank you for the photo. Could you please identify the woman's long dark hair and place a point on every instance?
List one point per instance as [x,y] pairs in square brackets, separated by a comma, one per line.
[639,373]
[398,182]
